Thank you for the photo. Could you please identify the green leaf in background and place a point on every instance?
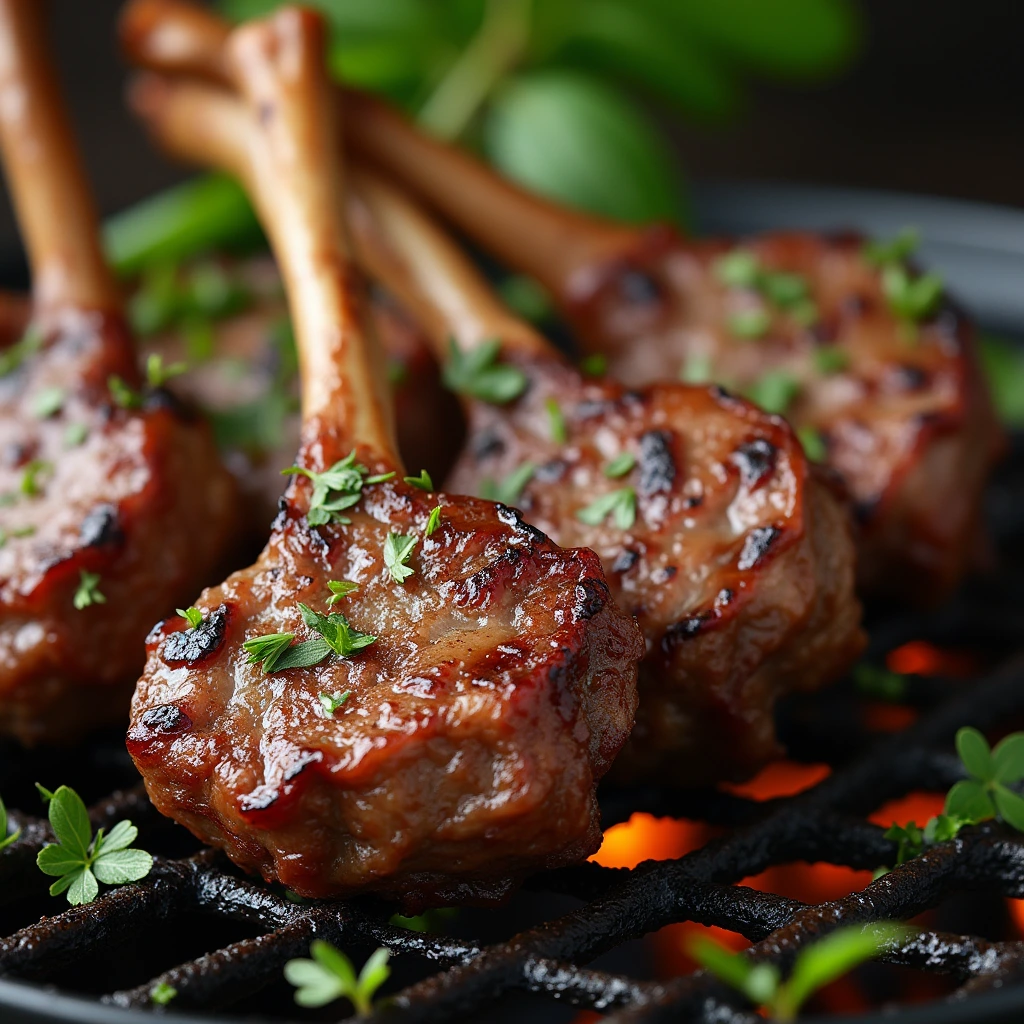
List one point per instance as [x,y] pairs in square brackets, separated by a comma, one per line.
[784,38]
[975,753]
[582,142]
[636,41]
[1003,363]
[210,212]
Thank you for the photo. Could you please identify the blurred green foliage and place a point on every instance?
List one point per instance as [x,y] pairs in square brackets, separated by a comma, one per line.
[560,95]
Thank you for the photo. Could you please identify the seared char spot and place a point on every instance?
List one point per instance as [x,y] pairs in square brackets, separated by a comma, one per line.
[756,546]
[625,560]
[487,443]
[639,287]
[909,378]
[756,461]
[684,629]
[101,526]
[657,464]
[591,597]
[550,472]
[166,718]
[192,645]
[513,517]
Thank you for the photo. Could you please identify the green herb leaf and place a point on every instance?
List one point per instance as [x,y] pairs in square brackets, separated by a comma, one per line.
[124,396]
[620,504]
[423,481]
[162,993]
[1009,805]
[30,482]
[478,373]
[5,839]
[697,369]
[830,359]
[193,616]
[527,297]
[29,343]
[1003,363]
[975,753]
[578,140]
[340,589]
[911,298]
[749,324]
[813,443]
[75,435]
[332,702]
[909,838]
[88,592]
[784,288]
[267,649]
[774,391]
[81,860]
[397,551]
[46,795]
[620,465]
[895,250]
[47,402]
[556,421]
[434,520]
[336,631]
[969,799]
[329,975]
[509,490]
[594,365]
[336,489]
[157,375]
[1008,759]
[758,982]
[739,268]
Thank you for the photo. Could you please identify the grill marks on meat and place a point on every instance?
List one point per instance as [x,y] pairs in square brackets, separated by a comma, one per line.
[501,682]
[906,420]
[743,595]
[136,497]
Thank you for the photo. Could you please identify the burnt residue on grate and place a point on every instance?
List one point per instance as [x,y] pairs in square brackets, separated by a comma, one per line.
[467,979]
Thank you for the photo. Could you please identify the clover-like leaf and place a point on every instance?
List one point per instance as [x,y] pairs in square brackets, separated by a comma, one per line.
[968,799]
[83,888]
[69,820]
[1010,806]
[1008,758]
[975,753]
[121,866]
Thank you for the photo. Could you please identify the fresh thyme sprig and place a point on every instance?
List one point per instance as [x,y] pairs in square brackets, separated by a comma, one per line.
[329,975]
[478,373]
[81,860]
[815,966]
[336,489]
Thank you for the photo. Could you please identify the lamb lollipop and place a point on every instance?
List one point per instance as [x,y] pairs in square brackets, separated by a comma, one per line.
[462,683]
[736,560]
[113,505]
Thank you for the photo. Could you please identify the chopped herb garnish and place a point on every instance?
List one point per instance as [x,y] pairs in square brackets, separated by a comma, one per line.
[5,839]
[749,324]
[162,993]
[527,297]
[340,589]
[1003,362]
[620,504]
[738,269]
[47,402]
[20,531]
[30,484]
[698,369]
[214,292]
[816,965]
[805,313]
[88,592]
[29,343]
[895,250]
[813,443]
[193,616]
[620,465]
[75,434]
[434,521]
[911,298]
[830,359]
[556,421]
[339,635]
[269,649]
[785,289]
[157,375]
[478,373]
[774,391]
[423,481]
[336,489]
[397,550]
[334,633]
[330,976]
[124,396]
[81,860]
[509,490]
[333,701]
[595,365]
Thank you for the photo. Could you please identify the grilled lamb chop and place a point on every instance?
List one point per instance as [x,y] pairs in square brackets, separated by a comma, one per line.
[109,515]
[451,733]
[735,559]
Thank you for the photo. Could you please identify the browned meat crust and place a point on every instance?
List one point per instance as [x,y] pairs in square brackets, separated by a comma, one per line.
[901,408]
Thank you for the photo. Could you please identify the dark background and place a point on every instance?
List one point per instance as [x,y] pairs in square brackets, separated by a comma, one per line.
[935,104]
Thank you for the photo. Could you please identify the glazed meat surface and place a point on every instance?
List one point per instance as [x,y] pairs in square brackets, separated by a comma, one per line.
[92,488]
[737,561]
[476,727]
[896,408]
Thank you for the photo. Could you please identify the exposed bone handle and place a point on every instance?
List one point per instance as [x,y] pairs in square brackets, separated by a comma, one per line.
[44,171]
[529,233]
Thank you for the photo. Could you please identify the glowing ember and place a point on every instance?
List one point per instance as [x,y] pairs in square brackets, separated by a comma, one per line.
[919,658]
[645,837]
[783,778]
[918,807]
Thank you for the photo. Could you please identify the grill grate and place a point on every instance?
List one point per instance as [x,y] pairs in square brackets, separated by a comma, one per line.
[826,823]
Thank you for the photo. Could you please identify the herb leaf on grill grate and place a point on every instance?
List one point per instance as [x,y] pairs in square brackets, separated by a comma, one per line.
[330,976]
[81,861]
